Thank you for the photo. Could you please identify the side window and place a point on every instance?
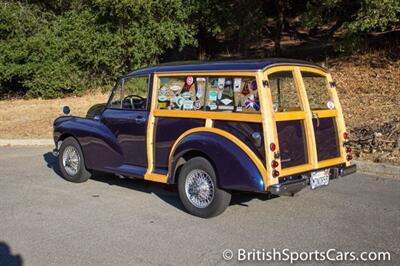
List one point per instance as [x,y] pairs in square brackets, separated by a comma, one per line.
[284,92]
[208,93]
[116,96]
[317,91]
[135,90]
[181,93]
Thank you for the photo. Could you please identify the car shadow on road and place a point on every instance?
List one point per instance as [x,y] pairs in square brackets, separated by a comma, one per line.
[52,162]
[6,258]
[167,193]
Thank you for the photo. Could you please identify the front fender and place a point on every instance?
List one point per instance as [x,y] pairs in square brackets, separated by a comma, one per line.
[235,170]
[99,145]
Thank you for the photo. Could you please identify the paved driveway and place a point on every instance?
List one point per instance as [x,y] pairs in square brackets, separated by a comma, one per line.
[45,220]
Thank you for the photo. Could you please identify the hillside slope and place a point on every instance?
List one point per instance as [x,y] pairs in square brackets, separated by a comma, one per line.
[369,90]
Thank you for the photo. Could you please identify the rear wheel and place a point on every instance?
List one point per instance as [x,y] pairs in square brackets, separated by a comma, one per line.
[199,191]
[71,161]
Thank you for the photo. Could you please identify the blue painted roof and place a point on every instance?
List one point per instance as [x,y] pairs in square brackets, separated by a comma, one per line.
[237,65]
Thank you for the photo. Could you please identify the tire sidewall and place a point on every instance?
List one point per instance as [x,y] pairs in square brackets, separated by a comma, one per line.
[82,174]
[219,203]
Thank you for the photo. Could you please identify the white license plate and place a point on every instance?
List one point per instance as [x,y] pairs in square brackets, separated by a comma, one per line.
[319,178]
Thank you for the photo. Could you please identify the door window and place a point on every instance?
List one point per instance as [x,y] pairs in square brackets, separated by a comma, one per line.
[283,91]
[317,91]
[131,94]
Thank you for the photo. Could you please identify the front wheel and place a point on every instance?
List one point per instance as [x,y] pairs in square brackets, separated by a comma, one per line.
[199,191]
[71,162]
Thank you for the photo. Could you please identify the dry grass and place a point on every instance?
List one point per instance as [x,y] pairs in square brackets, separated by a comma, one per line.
[34,118]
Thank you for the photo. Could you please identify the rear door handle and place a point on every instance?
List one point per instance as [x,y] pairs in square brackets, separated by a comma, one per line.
[315,115]
[140,120]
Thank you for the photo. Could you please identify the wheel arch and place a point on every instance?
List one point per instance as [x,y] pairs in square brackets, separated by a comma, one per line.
[236,166]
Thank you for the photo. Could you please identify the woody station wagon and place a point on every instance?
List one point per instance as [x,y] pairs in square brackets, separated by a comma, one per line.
[273,125]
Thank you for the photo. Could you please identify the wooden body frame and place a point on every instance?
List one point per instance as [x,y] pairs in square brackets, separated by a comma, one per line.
[267,117]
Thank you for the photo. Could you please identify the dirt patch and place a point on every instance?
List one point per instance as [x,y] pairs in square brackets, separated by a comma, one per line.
[369,91]
[34,118]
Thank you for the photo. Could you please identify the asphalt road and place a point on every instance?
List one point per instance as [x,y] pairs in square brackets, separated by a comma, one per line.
[45,220]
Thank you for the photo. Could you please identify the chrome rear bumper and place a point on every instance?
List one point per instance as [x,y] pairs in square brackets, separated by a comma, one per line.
[290,187]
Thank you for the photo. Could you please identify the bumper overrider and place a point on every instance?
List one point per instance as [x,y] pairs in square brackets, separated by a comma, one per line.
[293,184]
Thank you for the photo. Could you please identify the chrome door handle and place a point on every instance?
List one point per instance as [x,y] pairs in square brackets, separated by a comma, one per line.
[140,120]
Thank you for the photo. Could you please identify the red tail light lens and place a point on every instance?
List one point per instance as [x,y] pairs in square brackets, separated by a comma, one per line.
[348,150]
[349,157]
[346,135]
[274,164]
[272,146]
[275,173]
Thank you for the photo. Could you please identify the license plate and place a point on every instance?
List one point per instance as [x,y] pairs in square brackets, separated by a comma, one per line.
[319,178]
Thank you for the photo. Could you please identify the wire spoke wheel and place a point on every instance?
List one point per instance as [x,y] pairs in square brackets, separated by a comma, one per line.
[199,188]
[71,160]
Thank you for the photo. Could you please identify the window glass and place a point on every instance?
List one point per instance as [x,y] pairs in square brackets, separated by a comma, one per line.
[116,97]
[317,91]
[135,90]
[181,93]
[283,91]
[209,93]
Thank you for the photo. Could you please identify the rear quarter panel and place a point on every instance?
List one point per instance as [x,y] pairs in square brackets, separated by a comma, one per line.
[235,170]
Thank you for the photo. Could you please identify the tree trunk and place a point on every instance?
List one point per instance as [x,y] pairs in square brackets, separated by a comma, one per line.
[279,26]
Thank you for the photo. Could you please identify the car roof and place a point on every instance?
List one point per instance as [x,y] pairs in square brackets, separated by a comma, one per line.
[236,65]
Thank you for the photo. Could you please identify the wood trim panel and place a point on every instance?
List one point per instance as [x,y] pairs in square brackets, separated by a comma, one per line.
[341,127]
[288,116]
[156,177]
[213,73]
[245,117]
[296,169]
[269,126]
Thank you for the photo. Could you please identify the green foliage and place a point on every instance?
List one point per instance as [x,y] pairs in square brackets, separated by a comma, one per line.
[49,54]
[360,16]
[377,15]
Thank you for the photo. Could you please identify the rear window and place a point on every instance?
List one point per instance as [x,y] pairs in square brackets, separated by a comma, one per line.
[223,94]
[284,93]
[317,91]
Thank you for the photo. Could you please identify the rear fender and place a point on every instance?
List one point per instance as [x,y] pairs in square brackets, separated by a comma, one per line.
[235,170]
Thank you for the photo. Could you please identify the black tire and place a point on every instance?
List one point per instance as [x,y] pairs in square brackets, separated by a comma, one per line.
[82,174]
[221,198]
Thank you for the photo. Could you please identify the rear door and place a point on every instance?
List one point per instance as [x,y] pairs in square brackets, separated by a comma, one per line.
[292,127]
[327,124]
[305,112]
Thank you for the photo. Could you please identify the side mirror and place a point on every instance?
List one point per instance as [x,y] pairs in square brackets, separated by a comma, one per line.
[66,110]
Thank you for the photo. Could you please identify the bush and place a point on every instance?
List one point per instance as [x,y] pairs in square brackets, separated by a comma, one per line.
[48,54]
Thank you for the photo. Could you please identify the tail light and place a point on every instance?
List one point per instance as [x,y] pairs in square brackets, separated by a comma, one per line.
[348,150]
[275,173]
[272,146]
[274,164]
[346,135]
[349,157]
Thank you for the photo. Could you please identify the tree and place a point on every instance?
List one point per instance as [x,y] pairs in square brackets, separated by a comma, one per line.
[52,48]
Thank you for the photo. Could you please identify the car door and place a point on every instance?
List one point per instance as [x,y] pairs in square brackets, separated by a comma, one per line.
[126,116]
